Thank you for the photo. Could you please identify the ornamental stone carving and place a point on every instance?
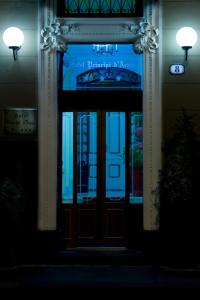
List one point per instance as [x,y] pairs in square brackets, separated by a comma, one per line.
[59,34]
[146,37]
[54,36]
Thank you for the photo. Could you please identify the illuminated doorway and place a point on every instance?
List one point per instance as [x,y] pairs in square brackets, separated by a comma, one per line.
[101,142]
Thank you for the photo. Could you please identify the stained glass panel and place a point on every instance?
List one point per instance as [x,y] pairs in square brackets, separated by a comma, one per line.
[100,7]
[87,156]
[136,157]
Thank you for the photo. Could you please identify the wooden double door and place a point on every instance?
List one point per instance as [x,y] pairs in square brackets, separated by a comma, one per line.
[101,177]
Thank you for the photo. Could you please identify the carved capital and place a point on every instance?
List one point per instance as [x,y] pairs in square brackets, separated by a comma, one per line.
[146,37]
[54,36]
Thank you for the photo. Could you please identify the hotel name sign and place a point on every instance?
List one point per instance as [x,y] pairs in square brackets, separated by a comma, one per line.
[20,121]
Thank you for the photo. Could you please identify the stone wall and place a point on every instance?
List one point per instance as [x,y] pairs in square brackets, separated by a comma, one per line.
[180,91]
[18,79]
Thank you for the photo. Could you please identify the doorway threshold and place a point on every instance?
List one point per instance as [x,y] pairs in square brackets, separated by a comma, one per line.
[102,255]
[103,249]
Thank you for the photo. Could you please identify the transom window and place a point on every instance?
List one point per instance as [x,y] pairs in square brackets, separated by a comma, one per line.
[100,8]
[101,67]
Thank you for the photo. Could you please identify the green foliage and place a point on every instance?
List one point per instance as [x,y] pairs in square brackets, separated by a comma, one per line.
[178,191]
[10,194]
[11,204]
[12,212]
[178,178]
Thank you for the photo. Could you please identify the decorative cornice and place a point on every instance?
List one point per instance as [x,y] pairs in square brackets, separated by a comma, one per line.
[146,37]
[54,36]
[57,34]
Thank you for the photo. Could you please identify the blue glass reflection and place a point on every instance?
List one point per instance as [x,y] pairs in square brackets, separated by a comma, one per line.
[118,57]
[67,157]
[115,157]
[115,164]
[87,156]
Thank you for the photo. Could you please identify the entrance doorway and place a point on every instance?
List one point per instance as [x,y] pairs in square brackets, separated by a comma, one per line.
[101,145]
[102,175]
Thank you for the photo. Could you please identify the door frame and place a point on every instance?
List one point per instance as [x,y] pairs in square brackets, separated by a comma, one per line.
[48,109]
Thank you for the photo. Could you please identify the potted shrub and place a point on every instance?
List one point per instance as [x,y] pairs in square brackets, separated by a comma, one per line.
[179,195]
[11,221]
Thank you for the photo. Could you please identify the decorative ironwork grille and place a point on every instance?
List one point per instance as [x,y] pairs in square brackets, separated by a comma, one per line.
[99,7]
[110,74]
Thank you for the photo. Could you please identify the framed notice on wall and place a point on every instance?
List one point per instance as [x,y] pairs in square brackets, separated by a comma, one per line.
[20,121]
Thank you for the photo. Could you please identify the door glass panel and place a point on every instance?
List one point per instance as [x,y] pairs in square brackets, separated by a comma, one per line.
[87,156]
[115,163]
[136,158]
[67,157]
[115,157]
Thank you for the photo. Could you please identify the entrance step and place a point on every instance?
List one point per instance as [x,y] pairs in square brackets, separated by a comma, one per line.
[101,255]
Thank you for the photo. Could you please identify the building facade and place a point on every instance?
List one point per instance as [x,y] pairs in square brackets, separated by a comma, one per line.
[34,83]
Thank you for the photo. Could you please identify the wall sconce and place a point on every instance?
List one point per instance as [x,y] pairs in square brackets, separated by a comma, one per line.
[13,37]
[186,37]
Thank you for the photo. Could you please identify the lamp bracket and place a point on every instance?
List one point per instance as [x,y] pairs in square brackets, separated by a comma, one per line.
[15,50]
[186,48]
